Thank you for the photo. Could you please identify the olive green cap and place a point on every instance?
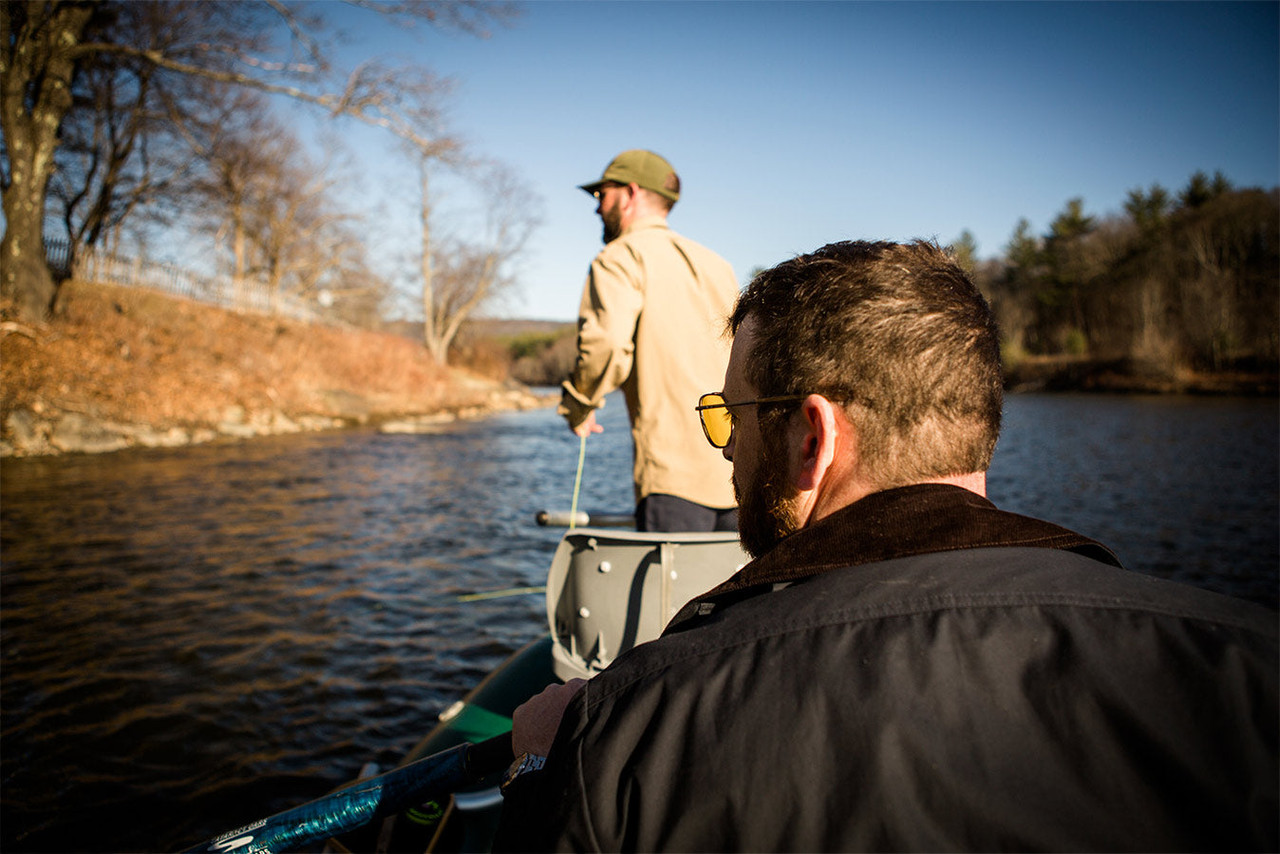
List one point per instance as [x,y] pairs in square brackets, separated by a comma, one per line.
[649,170]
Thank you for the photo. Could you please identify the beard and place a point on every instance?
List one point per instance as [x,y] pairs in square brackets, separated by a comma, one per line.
[612,220]
[768,507]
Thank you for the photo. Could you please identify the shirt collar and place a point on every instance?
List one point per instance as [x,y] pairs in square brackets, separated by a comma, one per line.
[651,221]
[897,523]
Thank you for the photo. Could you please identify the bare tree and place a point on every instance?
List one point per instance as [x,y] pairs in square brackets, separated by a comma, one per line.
[342,280]
[459,276]
[125,145]
[43,43]
[274,209]
[240,160]
[306,243]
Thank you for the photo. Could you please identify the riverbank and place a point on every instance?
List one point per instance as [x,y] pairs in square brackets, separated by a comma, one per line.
[1129,376]
[128,367]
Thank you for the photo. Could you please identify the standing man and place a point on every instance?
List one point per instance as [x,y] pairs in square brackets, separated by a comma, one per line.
[651,323]
[903,667]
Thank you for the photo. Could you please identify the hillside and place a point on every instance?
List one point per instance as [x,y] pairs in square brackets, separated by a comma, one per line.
[123,367]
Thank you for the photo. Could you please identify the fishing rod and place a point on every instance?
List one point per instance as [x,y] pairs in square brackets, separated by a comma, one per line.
[575,518]
[501,594]
[434,776]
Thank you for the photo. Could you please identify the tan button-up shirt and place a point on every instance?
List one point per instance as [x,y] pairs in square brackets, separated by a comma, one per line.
[652,322]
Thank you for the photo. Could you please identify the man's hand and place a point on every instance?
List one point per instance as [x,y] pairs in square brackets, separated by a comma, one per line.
[534,725]
[588,426]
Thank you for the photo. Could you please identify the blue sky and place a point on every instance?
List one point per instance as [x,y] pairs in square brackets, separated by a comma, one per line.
[795,124]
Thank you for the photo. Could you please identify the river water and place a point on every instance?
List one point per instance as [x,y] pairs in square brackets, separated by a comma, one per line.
[193,638]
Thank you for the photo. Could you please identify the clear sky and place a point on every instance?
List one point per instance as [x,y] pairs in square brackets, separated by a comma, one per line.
[796,124]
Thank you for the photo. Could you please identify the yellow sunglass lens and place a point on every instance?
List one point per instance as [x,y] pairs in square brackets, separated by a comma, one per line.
[721,428]
[716,420]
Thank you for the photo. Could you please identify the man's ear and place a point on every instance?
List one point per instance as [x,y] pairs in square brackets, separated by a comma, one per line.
[822,426]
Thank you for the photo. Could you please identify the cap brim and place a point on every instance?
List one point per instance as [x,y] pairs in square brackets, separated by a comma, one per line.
[592,187]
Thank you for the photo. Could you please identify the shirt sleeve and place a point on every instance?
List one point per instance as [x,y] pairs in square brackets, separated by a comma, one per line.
[611,304]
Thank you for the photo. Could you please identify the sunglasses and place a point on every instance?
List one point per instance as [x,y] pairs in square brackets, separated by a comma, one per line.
[717,422]
[598,193]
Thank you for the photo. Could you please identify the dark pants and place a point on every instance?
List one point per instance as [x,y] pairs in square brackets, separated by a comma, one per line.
[666,513]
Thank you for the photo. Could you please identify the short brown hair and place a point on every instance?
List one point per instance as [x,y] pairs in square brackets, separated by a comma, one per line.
[660,200]
[899,336]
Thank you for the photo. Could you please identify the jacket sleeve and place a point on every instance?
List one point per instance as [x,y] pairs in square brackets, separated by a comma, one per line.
[545,810]
[611,304]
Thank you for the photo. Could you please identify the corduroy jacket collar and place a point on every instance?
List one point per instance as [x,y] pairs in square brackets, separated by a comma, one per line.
[896,523]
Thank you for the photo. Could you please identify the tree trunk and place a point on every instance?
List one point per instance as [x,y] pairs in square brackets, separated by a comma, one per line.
[26,282]
[430,330]
[240,299]
[37,40]
[451,325]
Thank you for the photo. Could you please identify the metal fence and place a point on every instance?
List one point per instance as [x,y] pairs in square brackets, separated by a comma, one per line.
[242,295]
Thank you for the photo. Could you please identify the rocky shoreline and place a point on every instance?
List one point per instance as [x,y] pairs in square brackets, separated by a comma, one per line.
[48,432]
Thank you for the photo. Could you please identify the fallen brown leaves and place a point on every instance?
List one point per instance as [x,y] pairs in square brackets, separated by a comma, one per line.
[137,356]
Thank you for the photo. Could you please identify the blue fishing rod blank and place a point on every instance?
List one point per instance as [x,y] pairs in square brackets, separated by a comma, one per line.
[435,776]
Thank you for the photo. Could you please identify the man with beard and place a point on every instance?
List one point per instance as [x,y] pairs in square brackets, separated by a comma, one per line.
[649,323]
[903,666]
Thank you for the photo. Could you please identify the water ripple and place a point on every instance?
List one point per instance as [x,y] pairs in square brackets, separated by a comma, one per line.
[202,636]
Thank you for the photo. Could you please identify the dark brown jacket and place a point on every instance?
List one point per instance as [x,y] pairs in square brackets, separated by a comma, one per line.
[924,672]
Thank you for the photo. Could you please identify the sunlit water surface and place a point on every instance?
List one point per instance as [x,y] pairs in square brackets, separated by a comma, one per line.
[194,638]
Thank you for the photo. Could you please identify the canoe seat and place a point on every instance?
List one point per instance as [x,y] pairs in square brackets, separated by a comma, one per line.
[609,590]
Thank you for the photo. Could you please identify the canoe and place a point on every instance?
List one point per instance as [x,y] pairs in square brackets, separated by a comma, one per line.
[607,591]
